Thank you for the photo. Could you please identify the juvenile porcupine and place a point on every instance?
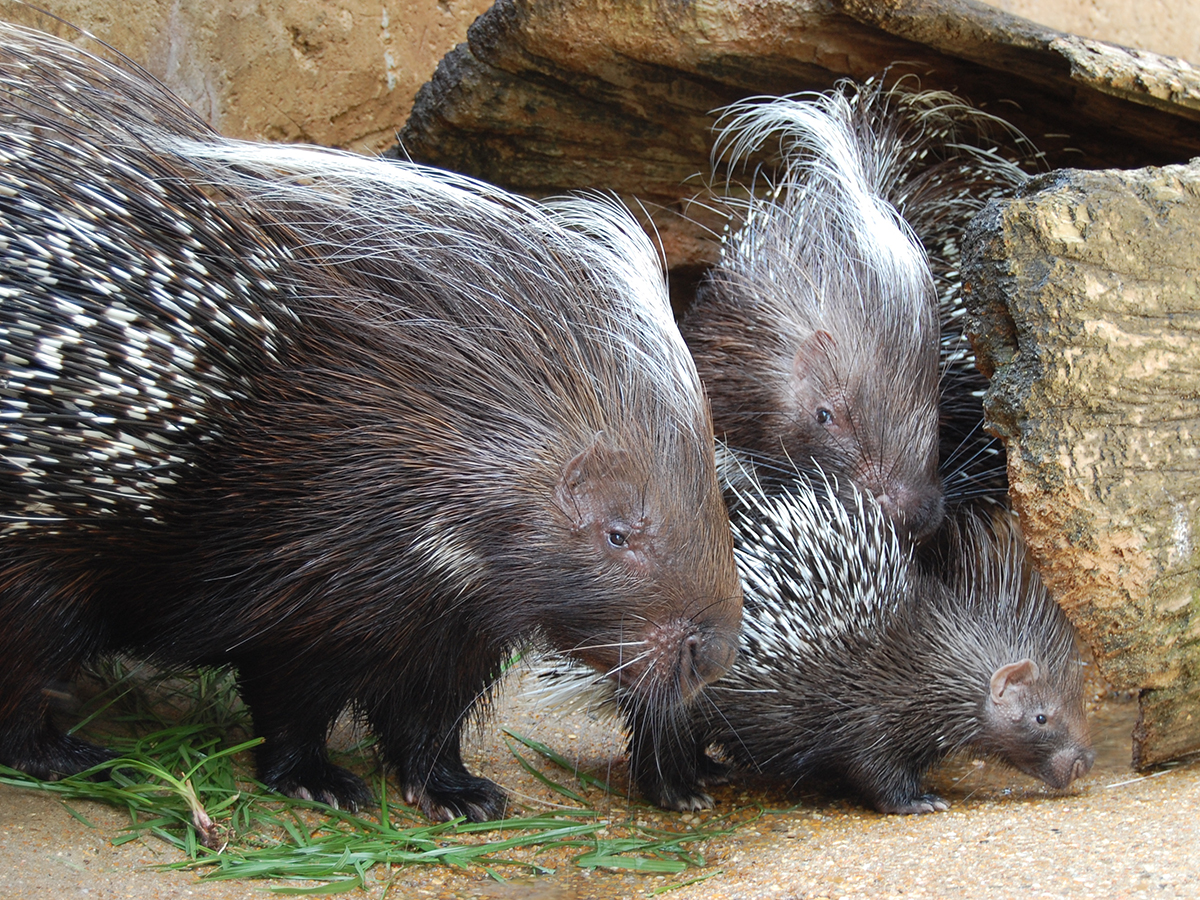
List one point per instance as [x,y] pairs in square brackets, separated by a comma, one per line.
[812,332]
[816,333]
[856,668]
[855,665]
[359,429]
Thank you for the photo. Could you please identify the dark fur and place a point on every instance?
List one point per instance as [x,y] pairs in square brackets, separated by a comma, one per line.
[853,666]
[359,442]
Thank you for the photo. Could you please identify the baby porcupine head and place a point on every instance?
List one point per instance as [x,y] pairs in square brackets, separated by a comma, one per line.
[816,334]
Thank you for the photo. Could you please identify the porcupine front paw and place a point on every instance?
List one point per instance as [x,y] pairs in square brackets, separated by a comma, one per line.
[922,803]
[446,795]
[322,781]
[684,797]
[711,772]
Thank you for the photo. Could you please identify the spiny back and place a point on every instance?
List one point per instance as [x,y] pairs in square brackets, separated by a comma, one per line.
[181,265]
[824,245]
[815,572]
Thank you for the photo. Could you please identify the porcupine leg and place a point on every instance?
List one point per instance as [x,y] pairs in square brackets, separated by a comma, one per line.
[37,656]
[294,716]
[668,761]
[894,789]
[419,721]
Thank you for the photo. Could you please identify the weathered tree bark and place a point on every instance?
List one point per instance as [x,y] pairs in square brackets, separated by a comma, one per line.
[555,95]
[1084,301]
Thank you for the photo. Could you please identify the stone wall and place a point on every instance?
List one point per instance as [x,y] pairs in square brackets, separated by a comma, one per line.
[335,72]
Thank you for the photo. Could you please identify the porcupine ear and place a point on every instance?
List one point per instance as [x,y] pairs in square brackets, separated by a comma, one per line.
[807,363]
[589,490]
[1008,680]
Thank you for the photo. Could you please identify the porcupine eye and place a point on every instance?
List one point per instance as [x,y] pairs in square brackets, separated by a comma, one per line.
[824,416]
[618,539]
[1040,718]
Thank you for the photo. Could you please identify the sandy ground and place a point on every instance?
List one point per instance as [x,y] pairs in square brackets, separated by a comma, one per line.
[1115,834]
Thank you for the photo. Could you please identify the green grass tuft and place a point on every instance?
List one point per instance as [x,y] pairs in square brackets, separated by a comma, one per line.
[185,778]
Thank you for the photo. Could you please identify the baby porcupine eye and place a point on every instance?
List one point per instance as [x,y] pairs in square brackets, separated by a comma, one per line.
[824,416]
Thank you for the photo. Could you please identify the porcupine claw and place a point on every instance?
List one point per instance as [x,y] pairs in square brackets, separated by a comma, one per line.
[924,803]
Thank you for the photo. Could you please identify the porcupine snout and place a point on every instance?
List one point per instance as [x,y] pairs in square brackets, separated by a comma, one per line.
[1071,762]
[691,655]
[704,657]
[912,499]
[917,507]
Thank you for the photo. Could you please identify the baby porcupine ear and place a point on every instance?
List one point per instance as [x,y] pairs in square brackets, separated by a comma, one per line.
[1009,681]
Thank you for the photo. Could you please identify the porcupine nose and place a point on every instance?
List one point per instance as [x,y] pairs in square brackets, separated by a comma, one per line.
[703,658]
[1067,765]
[917,510]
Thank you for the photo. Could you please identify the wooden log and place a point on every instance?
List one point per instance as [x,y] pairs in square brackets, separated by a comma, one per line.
[1084,309]
[555,95]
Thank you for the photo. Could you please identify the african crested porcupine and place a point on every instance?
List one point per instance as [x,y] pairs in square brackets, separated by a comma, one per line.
[856,665]
[857,668]
[359,429]
[816,333]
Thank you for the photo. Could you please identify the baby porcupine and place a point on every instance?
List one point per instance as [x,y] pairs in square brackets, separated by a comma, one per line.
[855,665]
[359,429]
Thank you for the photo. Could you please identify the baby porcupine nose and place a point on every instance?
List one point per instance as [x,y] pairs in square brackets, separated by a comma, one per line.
[1069,764]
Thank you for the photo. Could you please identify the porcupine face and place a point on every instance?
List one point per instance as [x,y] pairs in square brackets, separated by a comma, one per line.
[816,333]
[1037,725]
[649,550]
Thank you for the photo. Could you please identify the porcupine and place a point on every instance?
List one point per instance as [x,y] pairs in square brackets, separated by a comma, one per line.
[855,664]
[357,428]
[857,668]
[815,333]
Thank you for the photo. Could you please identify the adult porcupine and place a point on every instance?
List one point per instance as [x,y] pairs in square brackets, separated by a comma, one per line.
[814,332]
[855,666]
[357,428]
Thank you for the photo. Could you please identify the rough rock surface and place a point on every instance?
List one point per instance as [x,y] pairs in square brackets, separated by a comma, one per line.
[1084,294]
[552,95]
[336,72]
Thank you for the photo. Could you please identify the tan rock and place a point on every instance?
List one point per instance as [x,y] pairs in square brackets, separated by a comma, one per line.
[339,73]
